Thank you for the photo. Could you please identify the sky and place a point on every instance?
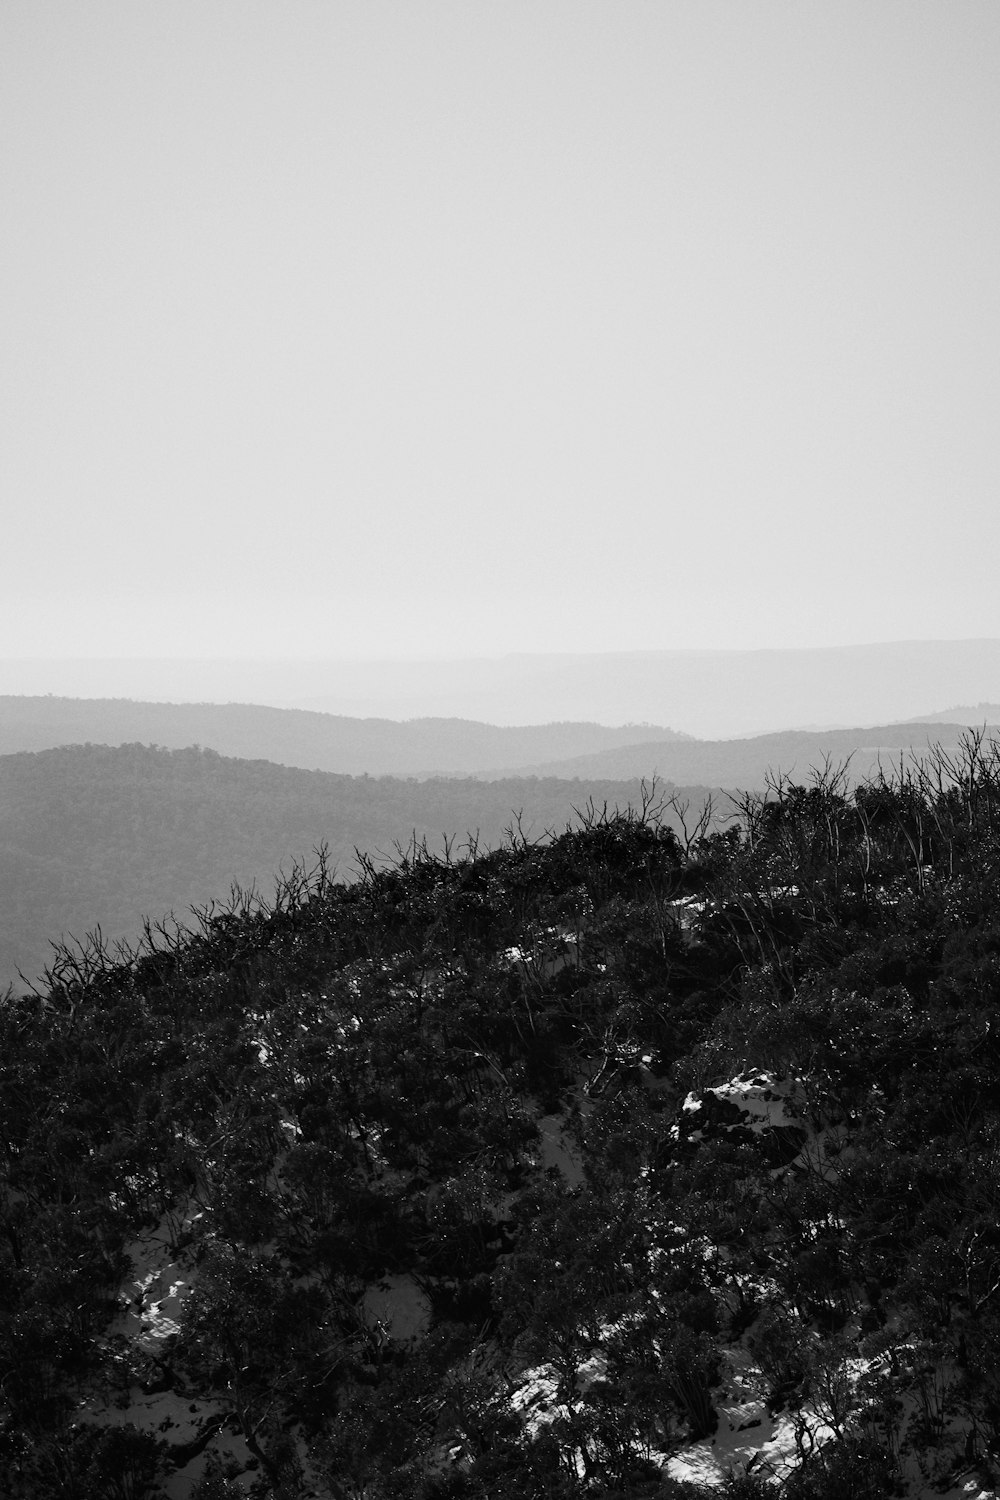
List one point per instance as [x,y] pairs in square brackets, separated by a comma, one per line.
[455,328]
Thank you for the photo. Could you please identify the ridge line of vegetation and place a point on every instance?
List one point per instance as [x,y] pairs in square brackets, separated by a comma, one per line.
[107,834]
[658,1133]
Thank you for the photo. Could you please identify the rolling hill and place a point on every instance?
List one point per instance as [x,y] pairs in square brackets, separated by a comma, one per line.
[745,763]
[98,835]
[456,747]
[586,1170]
[311,741]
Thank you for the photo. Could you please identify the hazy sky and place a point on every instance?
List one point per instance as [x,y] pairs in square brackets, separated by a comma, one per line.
[346,329]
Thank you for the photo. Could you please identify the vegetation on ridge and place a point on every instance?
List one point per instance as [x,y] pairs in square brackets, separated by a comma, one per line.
[310,740]
[652,1131]
[103,835]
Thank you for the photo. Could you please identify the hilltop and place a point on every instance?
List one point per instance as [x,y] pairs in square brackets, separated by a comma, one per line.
[606,1166]
[966,713]
[98,835]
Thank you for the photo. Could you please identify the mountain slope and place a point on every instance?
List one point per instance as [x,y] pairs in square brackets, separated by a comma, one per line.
[746,763]
[316,741]
[588,1170]
[295,737]
[92,834]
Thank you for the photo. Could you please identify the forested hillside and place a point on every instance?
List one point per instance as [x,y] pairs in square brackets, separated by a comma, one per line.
[93,835]
[602,1167]
[747,763]
[311,741]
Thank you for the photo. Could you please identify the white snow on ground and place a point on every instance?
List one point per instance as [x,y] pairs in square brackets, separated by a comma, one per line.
[152,1298]
[746,1436]
[535,1398]
[399,1307]
[746,1439]
[966,1489]
[151,1301]
[540,1387]
[762,1098]
[558,948]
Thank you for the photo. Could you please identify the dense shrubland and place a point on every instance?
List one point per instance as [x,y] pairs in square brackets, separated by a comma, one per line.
[102,833]
[349,1087]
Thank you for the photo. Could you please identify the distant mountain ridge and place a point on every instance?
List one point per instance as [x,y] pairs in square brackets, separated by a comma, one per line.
[743,763]
[308,740]
[425,748]
[711,693]
[965,713]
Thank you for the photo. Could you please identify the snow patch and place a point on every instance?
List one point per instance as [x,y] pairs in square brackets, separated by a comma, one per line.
[746,1438]
[542,1397]
[151,1300]
[558,948]
[758,1102]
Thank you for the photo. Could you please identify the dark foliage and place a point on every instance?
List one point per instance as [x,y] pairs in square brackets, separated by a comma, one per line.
[491,1077]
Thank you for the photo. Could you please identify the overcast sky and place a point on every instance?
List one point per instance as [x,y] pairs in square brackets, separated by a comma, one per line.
[347,329]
